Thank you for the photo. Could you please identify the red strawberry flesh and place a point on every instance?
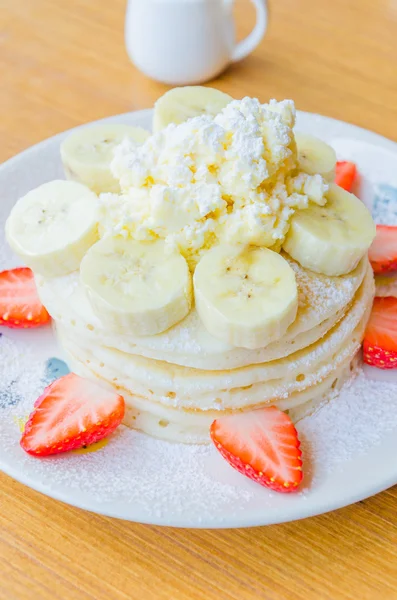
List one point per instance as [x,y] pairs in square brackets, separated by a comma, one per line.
[72,412]
[263,445]
[345,174]
[380,340]
[383,252]
[20,306]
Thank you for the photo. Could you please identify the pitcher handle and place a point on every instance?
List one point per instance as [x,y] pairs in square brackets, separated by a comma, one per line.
[248,44]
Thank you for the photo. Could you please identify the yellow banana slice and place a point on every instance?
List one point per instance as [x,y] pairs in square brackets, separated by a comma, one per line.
[331,239]
[87,154]
[53,226]
[136,286]
[245,296]
[182,103]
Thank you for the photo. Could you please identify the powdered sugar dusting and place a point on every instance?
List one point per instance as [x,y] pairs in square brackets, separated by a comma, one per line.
[162,480]
[356,420]
[133,468]
[9,361]
[149,474]
[321,294]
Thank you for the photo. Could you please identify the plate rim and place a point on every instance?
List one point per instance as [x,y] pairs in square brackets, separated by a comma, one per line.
[235,522]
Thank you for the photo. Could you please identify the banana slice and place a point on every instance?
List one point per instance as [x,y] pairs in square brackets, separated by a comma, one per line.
[331,239]
[182,103]
[245,296]
[136,286]
[315,156]
[88,152]
[52,227]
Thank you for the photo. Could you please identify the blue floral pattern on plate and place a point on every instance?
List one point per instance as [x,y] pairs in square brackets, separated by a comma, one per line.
[9,396]
[54,369]
[384,210]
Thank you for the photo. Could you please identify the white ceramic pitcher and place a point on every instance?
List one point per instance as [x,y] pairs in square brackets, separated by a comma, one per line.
[187,41]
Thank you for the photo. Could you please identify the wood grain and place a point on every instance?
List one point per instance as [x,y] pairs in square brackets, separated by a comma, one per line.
[64,63]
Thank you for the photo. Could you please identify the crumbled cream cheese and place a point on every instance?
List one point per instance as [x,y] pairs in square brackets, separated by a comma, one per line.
[231,177]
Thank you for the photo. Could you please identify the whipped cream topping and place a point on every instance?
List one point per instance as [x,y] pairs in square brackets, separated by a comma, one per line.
[232,177]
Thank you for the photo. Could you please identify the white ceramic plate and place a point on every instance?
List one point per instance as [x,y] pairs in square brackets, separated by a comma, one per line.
[349,445]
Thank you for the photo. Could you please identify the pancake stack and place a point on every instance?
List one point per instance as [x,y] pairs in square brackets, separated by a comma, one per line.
[210,268]
[177,382]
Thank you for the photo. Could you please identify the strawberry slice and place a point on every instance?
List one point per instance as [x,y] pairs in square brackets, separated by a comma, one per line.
[72,412]
[380,340]
[383,252]
[20,306]
[263,445]
[345,174]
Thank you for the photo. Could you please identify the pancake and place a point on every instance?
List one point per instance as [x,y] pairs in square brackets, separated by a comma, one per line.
[239,388]
[248,397]
[192,427]
[322,302]
[179,403]
[176,383]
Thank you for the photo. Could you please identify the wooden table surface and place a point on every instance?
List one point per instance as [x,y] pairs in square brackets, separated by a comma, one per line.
[64,63]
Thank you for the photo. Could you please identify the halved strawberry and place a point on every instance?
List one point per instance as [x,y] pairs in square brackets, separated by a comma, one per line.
[383,252]
[380,340]
[263,445]
[72,412]
[20,306]
[345,174]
